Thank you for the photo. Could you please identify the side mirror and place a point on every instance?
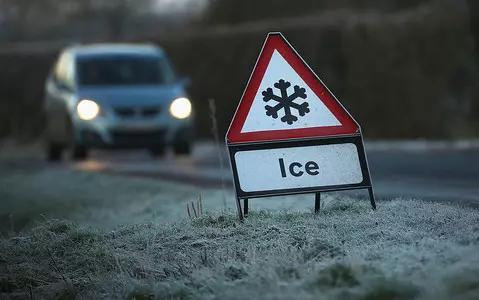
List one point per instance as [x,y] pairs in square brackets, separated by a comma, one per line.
[63,86]
[185,82]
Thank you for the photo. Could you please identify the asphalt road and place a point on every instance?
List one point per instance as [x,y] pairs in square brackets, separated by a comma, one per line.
[445,175]
[439,175]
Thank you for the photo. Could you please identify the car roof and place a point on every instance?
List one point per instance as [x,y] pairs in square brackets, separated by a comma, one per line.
[112,49]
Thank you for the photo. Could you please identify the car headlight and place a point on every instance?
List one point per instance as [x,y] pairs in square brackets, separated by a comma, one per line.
[87,110]
[180,108]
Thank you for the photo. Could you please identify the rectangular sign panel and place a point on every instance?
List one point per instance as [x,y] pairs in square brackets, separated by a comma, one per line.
[298,167]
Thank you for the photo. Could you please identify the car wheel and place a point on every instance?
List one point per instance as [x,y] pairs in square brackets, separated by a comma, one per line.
[79,153]
[54,152]
[158,151]
[183,148]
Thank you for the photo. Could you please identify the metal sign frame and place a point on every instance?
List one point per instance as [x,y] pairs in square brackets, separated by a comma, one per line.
[356,139]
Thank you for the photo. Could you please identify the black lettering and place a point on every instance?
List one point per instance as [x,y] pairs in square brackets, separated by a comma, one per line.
[291,169]
[281,166]
[312,168]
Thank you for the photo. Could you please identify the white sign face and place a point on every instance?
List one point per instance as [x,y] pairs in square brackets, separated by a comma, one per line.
[298,167]
[297,91]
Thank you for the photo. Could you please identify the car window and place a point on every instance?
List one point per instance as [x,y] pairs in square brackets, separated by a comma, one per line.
[124,70]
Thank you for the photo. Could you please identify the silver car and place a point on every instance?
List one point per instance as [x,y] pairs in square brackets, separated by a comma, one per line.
[116,96]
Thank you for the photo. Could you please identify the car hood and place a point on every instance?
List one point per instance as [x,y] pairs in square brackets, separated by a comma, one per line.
[132,96]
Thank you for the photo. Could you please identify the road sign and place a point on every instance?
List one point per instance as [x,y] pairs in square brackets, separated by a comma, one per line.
[284,99]
[290,134]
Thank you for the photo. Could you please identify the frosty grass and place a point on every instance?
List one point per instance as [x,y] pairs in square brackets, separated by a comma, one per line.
[407,249]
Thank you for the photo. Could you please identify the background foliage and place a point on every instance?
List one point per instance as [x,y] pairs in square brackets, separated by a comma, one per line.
[404,71]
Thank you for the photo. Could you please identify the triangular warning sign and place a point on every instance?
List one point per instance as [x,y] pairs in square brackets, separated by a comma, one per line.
[285,100]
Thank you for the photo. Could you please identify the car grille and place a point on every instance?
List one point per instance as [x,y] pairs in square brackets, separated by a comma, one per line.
[125,112]
[138,138]
[150,112]
[145,112]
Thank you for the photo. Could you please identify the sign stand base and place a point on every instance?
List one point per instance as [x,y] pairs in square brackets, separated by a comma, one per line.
[371,198]
[317,203]
[243,212]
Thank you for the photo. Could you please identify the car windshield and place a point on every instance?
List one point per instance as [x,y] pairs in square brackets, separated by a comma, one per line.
[124,70]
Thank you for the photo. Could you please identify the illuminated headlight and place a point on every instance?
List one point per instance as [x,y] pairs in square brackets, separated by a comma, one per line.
[180,108]
[87,110]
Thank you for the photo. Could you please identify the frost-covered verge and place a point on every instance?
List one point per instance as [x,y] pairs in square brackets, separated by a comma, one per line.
[105,201]
[100,200]
[404,250]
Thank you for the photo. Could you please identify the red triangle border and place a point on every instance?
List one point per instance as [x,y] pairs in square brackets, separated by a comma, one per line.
[275,41]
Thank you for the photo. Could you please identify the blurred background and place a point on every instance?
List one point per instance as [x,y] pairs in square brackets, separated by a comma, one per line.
[404,68]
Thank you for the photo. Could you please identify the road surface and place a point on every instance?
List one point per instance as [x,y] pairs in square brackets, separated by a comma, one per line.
[437,175]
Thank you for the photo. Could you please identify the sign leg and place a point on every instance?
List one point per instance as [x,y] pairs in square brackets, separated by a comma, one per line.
[240,211]
[317,202]
[245,207]
[371,198]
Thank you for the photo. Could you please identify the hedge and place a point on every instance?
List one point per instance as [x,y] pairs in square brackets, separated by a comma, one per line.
[396,73]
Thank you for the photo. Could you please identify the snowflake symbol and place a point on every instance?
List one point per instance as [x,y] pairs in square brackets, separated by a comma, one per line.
[285,102]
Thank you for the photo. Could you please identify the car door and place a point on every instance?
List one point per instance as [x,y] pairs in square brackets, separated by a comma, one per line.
[60,89]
